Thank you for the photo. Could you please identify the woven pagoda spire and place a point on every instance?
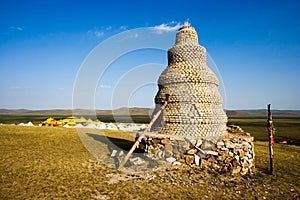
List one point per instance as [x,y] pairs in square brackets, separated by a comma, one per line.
[194,106]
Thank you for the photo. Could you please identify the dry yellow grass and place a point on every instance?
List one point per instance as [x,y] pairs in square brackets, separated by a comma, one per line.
[52,163]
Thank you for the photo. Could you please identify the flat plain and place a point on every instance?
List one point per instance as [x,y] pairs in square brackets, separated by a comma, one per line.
[53,163]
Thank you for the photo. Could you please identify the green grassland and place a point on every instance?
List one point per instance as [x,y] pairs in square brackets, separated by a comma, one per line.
[52,163]
[286,129]
[37,119]
[137,115]
[287,123]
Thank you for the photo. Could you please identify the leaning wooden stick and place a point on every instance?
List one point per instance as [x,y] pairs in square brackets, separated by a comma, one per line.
[271,131]
[137,142]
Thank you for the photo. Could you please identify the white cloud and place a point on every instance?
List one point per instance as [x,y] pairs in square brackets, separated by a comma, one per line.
[105,86]
[168,27]
[123,28]
[108,28]
[98,33]
[16,28]
[16,87]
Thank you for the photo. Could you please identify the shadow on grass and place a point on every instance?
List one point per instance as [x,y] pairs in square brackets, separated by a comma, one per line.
[117,147]
[110,141]
[263,170]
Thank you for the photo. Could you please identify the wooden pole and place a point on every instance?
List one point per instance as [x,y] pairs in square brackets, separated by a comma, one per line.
[137,142]
[271,131]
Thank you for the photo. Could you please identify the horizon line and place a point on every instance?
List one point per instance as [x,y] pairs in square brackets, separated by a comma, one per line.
[100,109]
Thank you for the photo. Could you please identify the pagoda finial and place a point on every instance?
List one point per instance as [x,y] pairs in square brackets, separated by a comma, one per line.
[186,33]
[186,23]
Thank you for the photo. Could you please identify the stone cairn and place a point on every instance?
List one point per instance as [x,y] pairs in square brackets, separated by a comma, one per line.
[231,152]
[192,128]
[194,106]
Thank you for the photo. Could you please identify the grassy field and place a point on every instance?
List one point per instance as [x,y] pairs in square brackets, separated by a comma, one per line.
[52,163]
[287,129]
[37,119]
[137,115]
[287,124]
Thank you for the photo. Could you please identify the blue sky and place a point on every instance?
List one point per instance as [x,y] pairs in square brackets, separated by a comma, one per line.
[255,45]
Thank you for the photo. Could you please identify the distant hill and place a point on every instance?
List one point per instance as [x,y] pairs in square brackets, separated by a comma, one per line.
[146,111]
[34,112]
[119,111]
[125,115]
[262,113]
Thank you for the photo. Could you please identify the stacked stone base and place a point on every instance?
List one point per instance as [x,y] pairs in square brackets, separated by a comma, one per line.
[229,153]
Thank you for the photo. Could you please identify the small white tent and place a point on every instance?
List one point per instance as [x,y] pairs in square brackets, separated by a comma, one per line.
[79,126]
[67,126]
[29,124]
[111,126]
[101,126]
[143,126]
[121,126]
[90,126]
[133,127]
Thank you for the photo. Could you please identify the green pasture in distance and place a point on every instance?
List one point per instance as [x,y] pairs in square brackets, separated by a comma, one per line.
[286,129]
[287,124]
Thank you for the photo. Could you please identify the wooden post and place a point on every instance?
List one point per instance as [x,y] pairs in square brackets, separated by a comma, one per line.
[271,131]
[137,142]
